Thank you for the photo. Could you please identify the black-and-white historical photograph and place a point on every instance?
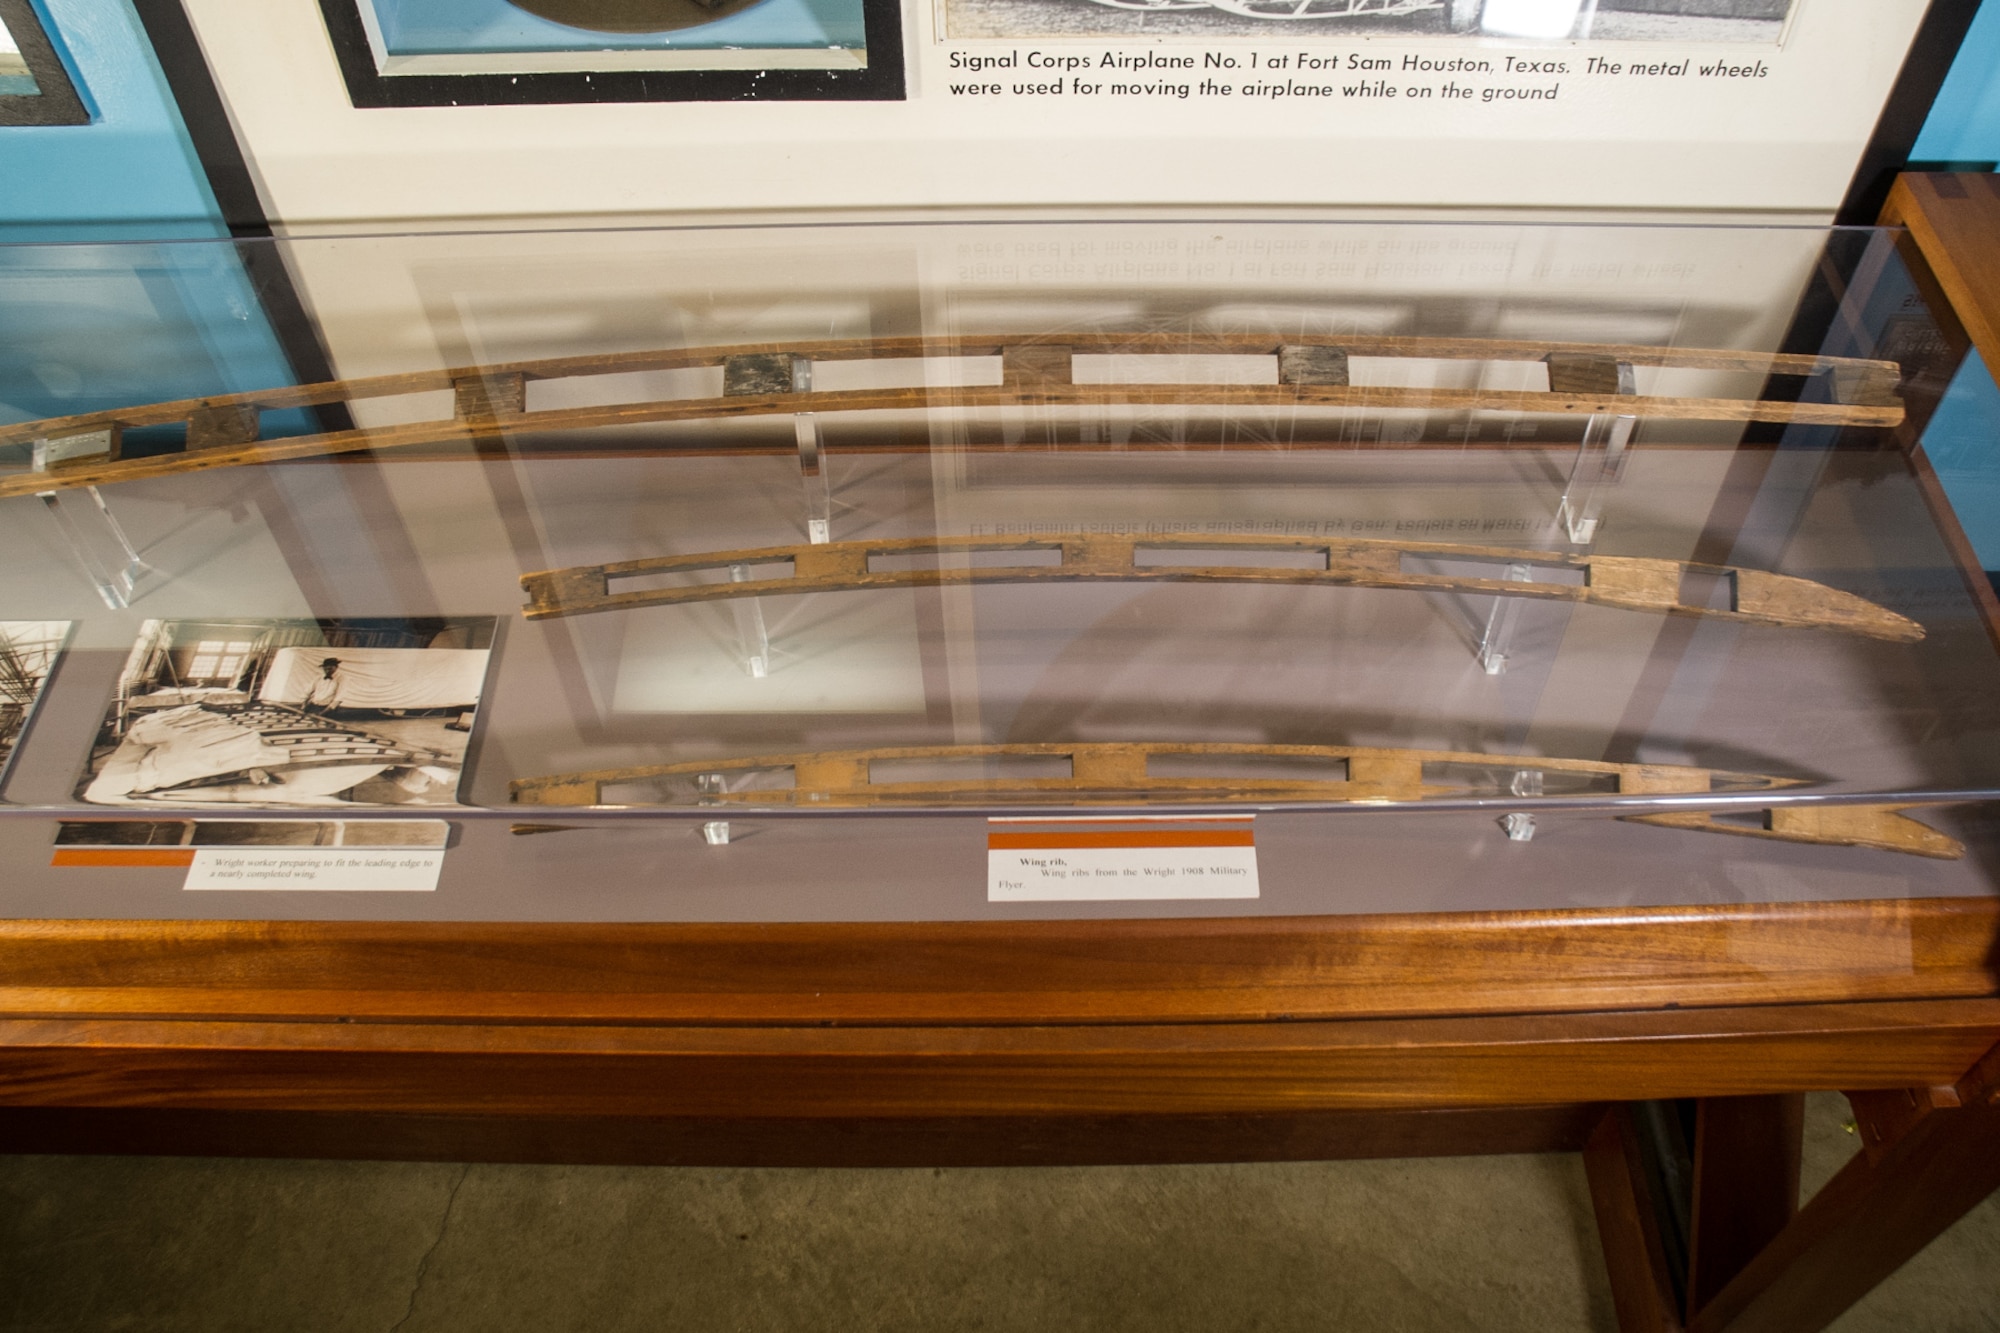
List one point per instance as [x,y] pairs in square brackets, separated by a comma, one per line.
[28,653]
[1547,20]
[292,713]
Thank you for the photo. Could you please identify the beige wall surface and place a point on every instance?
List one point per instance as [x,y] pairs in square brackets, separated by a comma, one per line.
[1785,137]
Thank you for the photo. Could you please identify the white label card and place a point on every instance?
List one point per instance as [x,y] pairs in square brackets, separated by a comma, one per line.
[1124,860]
[400,870]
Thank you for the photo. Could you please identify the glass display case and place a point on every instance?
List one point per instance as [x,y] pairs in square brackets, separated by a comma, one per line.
[974,570]
[999,692]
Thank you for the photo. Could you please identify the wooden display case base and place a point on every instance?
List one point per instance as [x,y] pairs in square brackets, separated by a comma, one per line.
[963,1141]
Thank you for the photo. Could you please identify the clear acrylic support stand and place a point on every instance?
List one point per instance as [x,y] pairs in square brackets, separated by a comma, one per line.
[753,641]
[1496,639]
[1600,460]
[100,545]
[711,787]
[759,373]
[812,475]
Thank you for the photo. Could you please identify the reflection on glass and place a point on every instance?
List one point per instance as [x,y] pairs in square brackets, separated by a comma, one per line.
[1118,513]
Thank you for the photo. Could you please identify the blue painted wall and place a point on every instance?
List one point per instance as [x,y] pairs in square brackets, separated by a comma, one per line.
[91,326]
[132,171]
[1963,444]
[97,326]
[1963,439]
[1964,124]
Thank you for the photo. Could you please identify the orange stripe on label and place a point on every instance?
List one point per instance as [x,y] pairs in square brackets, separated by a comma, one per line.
[1074,820]
[996,842]
[123,856]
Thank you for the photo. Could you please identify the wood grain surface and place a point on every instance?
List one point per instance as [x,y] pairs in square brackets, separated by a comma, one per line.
[1746,1184]
[1264,1067]
[1867,1221]
[1006,973]
[1629,1220]
[1955,221]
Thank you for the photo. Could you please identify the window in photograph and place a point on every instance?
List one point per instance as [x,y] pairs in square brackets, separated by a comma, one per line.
[218,660]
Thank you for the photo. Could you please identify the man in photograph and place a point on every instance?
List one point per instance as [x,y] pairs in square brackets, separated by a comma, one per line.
[324,695]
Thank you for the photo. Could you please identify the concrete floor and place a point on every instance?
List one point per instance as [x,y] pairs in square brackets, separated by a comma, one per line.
[1491,1244]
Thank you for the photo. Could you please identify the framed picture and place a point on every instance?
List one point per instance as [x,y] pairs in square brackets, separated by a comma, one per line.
[498,52]
[35,89]
[298,713]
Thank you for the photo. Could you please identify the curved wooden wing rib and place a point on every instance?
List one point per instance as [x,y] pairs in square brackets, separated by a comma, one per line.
[1749,596]
[762,379]
[1219,773]
[1882,827]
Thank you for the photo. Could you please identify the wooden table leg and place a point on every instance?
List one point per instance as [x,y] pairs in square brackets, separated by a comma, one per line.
[1928,1162]
[1628,1227]
[1746,1185]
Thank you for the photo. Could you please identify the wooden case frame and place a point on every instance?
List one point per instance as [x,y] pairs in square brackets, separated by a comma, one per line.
[1176,1040]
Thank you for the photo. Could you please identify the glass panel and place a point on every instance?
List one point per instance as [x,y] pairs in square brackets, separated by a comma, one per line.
[863,534]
